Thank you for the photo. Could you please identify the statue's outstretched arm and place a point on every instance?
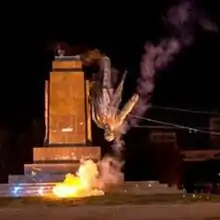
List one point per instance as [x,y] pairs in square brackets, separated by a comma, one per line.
[127,108]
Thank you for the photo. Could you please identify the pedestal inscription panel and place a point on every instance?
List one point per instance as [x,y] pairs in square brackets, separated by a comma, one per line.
[67,108]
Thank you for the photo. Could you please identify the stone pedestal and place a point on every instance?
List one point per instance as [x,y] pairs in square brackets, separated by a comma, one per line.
[68,124]
[66,104]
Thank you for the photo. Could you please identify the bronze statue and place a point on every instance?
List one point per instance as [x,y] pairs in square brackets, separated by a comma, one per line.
[105,102]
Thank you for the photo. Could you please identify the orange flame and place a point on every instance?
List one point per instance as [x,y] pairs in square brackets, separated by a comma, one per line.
[83,184]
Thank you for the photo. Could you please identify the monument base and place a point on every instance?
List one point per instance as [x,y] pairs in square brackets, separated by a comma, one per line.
[52,163]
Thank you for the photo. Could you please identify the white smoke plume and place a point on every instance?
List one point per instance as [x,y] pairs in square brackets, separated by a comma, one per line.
[155,58]
[183,19]
[110,171]
[208,25]
[110,167]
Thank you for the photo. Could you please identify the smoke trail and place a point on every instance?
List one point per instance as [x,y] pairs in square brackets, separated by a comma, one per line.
[110,171]
[208,25]
[110,166]
[154,59]
[182,18]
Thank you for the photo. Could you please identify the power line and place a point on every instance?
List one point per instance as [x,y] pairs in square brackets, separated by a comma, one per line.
[177,126]
[169,127]
[183,110]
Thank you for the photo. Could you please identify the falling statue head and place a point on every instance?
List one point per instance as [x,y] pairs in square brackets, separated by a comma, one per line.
[105,102]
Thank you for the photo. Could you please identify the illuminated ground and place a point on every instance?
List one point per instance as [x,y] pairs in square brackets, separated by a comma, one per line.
[122,206]
[142,200]
[109,199]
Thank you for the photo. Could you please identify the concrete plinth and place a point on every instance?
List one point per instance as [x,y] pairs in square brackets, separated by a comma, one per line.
[51,164]
[65,154]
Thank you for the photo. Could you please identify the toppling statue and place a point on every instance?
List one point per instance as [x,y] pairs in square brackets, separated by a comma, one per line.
[105,101]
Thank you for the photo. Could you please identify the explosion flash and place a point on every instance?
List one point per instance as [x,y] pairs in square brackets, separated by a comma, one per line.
[85,183]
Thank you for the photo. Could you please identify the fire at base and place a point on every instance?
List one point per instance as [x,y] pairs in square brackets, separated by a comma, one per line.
[84,184]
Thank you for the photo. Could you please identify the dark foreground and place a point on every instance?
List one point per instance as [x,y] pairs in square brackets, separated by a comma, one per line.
[113,207]
[199,211]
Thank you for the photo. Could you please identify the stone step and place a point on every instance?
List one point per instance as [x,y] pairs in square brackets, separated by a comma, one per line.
[25,190]
[50,168]
[64,153]
[42,178]
[40,189]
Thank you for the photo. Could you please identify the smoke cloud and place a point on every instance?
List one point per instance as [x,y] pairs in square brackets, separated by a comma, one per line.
[110,167]
[110,171]
[154,59]
[182,18]
[208,25]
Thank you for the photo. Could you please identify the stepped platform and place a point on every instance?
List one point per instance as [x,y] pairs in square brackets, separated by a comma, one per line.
[43,178]
[45,189]
[26,189]
[50,166]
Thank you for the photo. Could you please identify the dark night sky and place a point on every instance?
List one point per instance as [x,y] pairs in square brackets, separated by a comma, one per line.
[190,81]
